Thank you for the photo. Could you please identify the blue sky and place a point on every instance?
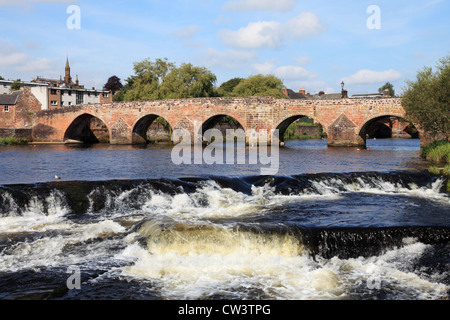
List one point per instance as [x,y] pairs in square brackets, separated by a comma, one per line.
[308,44]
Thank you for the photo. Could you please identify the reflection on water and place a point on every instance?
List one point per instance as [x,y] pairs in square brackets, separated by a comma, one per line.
[27,164]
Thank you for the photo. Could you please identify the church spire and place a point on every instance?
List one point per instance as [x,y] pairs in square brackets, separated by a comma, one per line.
[67,77]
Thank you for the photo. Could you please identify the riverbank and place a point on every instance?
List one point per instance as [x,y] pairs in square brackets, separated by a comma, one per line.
[12,141]
[439,154]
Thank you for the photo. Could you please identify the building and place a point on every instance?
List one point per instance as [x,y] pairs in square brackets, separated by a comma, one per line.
[53,93]
[39,90]
[302,94]
[66,93]
[16,113]
[17,107]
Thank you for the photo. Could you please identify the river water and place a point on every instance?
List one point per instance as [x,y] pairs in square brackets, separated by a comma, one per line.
[333,223]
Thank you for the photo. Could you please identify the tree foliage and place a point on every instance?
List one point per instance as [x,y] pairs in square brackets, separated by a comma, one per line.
[161,79]
[113,84]
[226,88]
[390,87]
[16,85]
[260,85]
[427,99]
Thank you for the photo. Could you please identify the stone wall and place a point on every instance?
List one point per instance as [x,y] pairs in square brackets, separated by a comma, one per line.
[344,120]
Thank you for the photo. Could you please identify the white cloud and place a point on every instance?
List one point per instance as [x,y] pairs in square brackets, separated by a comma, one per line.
[13,60]
[187,32]
[255,35]
[305,24]
[284,72]
[228,59]
[271,34]
[369,76]
[249,5]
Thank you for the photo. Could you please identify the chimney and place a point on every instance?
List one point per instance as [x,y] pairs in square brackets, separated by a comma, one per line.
[302,91]
[285,91]
[321,93]
[344,94]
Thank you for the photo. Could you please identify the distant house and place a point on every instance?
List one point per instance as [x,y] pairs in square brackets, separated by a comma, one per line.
[302,94]
[291,94]
[16,113]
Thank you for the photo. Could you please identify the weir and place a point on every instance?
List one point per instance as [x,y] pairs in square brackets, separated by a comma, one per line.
[253,237]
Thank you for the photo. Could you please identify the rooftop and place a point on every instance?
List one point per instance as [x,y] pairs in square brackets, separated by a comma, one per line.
[10,99]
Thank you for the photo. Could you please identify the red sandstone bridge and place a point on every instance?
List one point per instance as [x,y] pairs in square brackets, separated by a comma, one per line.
[345,120]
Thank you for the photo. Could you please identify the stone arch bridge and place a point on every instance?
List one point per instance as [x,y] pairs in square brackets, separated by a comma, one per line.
[345,120]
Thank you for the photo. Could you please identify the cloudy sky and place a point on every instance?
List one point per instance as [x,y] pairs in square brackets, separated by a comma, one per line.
[308,44]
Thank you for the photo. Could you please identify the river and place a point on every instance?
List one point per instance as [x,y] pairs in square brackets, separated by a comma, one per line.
[128,223]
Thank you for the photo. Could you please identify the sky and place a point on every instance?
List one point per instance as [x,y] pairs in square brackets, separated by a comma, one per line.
[313,45]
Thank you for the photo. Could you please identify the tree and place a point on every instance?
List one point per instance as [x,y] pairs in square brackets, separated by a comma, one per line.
[113,84]
[427,99]
[120,95]
[389,86]
[16,85]
[1,78]
[188,81]
[163,80]
[260,85]
[226,88]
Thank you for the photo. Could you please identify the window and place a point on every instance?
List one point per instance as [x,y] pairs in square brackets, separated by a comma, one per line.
[70,103]
[69,93]
[54,103]
[105,95]
[80,97]
[6,108]
[52,91]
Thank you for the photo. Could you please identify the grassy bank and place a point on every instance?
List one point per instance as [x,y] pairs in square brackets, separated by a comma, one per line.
[11,141]
[439,153]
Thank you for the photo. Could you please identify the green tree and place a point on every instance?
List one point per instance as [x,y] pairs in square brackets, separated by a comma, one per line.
[120,95]
[1,78]
[16,85]
[427,99]
[148,77]
[226,88]
[390,87]
[163,80]
[188,81]
[260,85]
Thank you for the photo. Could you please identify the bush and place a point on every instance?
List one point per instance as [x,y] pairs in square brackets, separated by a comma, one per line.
[11,141]
[438,151]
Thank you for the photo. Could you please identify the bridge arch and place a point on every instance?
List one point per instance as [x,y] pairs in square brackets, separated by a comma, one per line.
[286,123]
[383,126]
[88,129]
[222,122]
[142,126]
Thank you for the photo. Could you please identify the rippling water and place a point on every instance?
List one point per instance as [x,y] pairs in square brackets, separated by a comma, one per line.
[104,162]
[336,223]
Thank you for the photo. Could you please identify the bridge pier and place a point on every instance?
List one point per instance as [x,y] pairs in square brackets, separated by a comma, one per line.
[344,133]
